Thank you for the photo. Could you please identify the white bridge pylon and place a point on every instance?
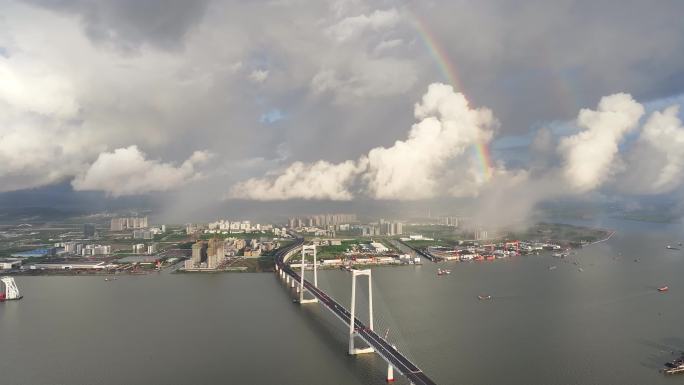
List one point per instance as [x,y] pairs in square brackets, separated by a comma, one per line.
[305,249]
[352,330]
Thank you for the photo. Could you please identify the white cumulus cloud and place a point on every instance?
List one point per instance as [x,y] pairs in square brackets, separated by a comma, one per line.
[319,180]
[356,25]
[425,165]
[258,76]
[656,162]
[589,156]
[126,171]
[418,167]
[665,134]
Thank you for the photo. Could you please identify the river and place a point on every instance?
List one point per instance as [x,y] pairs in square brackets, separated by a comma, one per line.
[606,324]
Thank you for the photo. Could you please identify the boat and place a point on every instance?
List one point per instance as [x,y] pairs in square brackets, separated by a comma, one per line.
[675,366]
[580,269]
[663,288]
[440,272]
[9,291]
[671,247]
[484,297]
[552,267]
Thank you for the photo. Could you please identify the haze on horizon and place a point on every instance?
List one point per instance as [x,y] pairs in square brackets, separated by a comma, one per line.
[340,104]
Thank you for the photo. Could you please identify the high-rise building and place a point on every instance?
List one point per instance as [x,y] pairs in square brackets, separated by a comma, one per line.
[152,248]
[481,235]
[397,228]
[215,252]
[117,224]
[321,220]
[390,228]
[143,234]
[88,230]
[120,224]
[199,255]
[449,221]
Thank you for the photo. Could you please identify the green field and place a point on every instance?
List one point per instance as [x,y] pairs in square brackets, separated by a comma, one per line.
[440,232]
[560,233]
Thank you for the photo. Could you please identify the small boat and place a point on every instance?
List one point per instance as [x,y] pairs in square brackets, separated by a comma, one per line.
[671,247]
[440,272]
[484,297]
[552,267]
[580,269]
[673,367]
[663,288]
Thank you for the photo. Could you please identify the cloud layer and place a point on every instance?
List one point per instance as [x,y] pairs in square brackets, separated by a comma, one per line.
[126,171]
[429,163]
[332,84]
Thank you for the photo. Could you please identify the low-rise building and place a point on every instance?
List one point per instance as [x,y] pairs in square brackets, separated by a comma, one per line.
[8,264]
[378,247]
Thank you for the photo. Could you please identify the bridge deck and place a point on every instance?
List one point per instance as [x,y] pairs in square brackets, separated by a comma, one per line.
[382,347]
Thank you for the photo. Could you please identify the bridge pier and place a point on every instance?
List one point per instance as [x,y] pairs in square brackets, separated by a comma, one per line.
[352,330]
[301,288]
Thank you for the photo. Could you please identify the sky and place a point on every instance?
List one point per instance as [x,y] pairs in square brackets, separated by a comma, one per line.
[220,107]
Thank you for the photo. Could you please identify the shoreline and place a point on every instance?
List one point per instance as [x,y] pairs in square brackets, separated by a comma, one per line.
[612,232]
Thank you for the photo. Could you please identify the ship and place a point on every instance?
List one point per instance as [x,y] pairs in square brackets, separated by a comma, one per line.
[663,288]
[673,367]
[9,290]
[484,297]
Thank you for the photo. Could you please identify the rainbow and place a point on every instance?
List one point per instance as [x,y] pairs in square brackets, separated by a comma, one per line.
[448,70]
[484,159]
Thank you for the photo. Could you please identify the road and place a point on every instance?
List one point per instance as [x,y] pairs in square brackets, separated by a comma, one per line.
[412,372]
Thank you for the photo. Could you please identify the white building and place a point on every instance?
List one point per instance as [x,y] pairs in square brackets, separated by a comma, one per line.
[8,264]
[378,247]
[151,249]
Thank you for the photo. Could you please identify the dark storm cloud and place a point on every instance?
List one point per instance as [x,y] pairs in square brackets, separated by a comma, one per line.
[543,60]
[130,23]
